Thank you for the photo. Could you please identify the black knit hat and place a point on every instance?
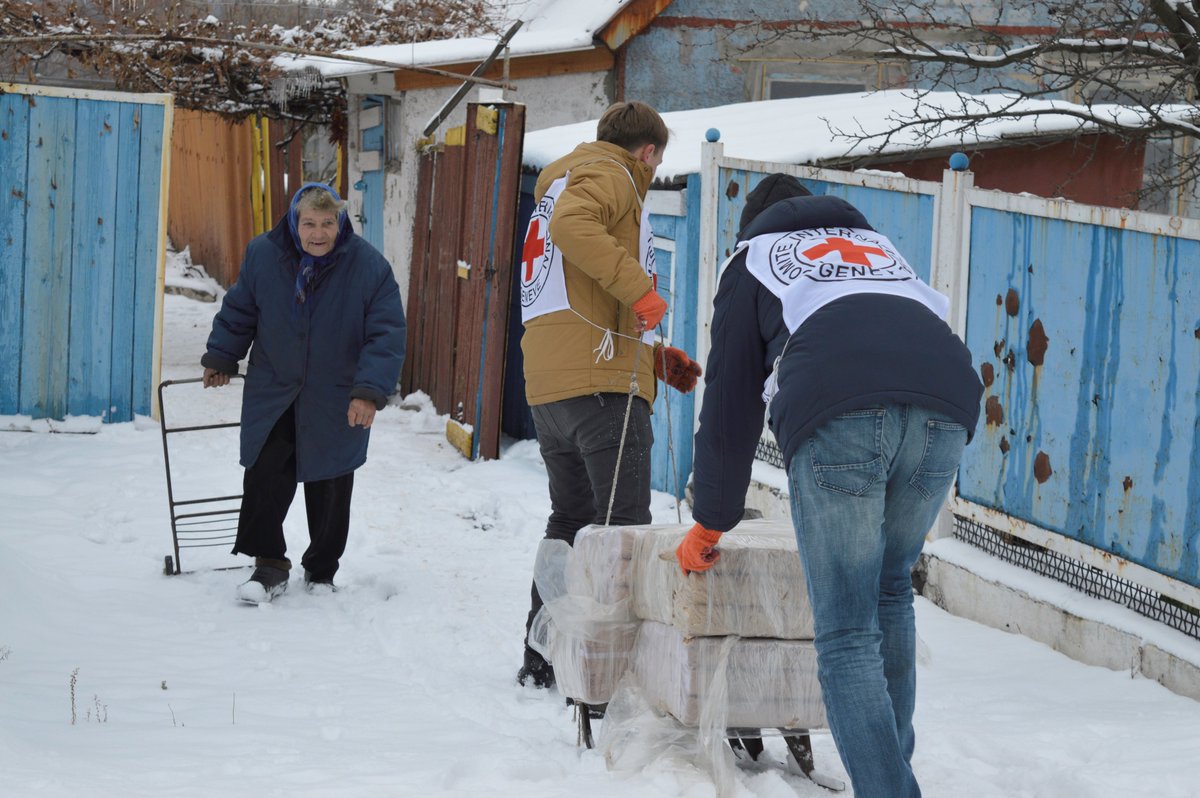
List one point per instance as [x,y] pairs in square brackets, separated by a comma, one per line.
[773,188]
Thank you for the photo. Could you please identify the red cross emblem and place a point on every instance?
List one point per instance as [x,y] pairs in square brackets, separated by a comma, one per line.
[535,245]
[848,250]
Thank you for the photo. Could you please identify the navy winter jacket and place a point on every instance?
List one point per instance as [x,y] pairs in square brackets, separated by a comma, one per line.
[858,351]
[345,341]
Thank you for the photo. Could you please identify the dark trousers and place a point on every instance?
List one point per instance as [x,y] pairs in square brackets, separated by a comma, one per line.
[268,488]
[579,439]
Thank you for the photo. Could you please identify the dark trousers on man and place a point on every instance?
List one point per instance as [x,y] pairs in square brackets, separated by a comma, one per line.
[268,488]
[579,439]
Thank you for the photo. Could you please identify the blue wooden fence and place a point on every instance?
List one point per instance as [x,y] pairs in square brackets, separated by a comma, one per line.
[676,249]
[905,217]
[82,209]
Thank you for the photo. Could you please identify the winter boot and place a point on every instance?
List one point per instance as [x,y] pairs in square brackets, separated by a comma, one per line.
[317,585]
[267,582]
[536,672]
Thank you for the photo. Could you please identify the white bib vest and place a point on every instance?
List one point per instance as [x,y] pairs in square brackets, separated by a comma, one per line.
[808,269]
[543,284]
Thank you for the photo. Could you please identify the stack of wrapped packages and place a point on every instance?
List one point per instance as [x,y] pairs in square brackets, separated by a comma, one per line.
[739,634]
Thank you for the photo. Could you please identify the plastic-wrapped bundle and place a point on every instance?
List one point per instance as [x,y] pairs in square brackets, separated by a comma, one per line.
[599,566]
[589,668]
[770,683]
[589,641]
[757,588]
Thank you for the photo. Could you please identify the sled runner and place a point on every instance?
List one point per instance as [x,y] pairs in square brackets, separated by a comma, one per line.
[747,745]
[749,752]
[204,522]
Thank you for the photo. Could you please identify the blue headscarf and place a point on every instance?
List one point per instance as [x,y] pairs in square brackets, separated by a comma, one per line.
[311,264]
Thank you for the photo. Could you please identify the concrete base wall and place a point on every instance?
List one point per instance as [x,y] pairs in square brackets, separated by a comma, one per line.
[968,595]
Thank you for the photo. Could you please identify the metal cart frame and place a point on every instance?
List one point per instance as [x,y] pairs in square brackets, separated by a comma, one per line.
[204,528]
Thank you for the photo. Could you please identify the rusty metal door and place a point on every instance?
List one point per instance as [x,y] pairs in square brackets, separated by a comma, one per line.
[462,270]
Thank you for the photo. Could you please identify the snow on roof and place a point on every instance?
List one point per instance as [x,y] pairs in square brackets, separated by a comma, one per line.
[550,26]
[810,130]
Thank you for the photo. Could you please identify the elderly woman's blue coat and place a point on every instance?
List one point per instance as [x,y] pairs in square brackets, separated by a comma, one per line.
[345,340]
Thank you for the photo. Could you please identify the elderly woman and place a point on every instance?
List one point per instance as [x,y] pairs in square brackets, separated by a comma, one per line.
[320,314]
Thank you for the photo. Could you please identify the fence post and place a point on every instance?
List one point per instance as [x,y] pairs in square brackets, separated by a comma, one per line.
[711,152]
[950,273]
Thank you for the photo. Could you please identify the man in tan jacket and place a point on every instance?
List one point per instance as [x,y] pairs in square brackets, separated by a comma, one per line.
[590,307]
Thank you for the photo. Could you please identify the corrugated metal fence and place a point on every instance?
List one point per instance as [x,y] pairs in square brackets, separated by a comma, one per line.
[82,232]
[230,181]
[1085,325]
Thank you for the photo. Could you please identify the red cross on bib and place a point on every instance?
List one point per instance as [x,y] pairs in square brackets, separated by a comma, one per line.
[847,250]
[535,245]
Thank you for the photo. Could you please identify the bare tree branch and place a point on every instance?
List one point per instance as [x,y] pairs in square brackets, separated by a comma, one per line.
[220,66]
[1142,54]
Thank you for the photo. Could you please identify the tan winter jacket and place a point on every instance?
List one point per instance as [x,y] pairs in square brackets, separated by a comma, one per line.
[596,224]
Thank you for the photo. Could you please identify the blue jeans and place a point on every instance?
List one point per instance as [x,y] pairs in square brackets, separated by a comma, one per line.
[865,489]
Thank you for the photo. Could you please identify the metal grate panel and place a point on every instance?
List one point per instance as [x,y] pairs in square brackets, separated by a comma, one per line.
[769,453]
[1081,576]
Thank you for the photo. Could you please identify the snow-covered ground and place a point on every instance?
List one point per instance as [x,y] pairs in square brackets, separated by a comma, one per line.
[402,683]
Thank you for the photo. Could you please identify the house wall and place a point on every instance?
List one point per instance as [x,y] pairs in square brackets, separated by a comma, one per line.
[1099,170]
[549,101]
[731,49]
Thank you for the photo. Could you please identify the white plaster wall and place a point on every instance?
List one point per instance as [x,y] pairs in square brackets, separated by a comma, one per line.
[563,99]
[549,101]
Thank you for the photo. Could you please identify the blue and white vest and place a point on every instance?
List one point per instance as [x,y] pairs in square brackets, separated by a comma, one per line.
[808,269]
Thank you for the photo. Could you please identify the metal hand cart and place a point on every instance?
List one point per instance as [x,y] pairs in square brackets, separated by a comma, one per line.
[216,525]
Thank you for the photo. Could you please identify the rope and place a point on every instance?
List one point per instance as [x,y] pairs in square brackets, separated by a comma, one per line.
[633,389]
[662,356]
[606,348]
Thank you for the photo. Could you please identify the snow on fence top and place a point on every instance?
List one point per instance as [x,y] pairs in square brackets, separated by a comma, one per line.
[810,130]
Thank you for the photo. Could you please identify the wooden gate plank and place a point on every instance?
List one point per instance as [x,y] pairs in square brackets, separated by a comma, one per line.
[91,283]
[125,217]
[424,374]
[506,201]
[147,310]
[418,274]
[14,153]
[448,222]
[46,316]
[477,213]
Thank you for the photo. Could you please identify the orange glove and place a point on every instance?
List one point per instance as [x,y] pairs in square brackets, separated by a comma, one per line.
[675,368]
[696,552]
[650,309]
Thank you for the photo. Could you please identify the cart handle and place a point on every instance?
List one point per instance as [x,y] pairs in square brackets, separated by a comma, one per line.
[165,383]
